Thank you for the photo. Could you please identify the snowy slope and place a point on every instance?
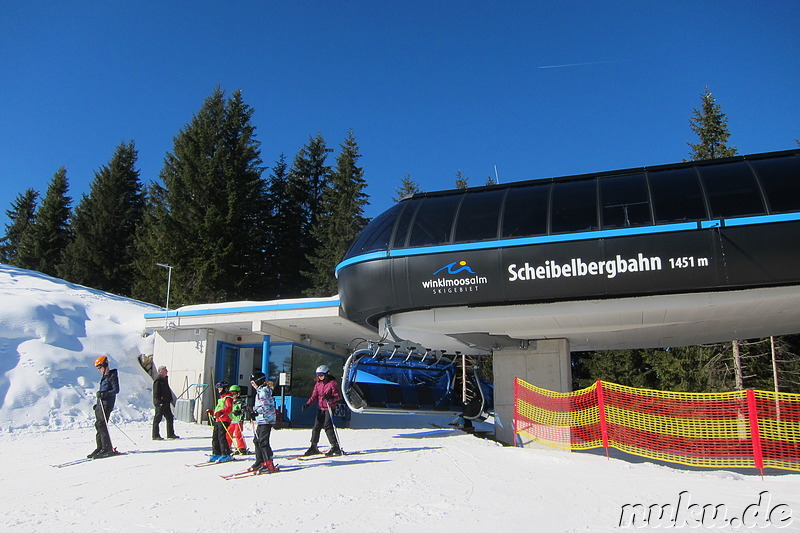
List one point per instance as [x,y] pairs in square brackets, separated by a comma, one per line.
[51,332]
[405,480]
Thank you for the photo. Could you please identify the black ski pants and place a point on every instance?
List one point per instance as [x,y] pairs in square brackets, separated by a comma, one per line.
[323,421]
[102,410]
[219,439]
[164,411]
[261,443]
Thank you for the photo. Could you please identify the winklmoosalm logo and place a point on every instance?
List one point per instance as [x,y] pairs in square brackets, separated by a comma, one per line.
[455,277]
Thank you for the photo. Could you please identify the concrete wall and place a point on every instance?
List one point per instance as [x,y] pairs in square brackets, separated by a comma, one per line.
[544,363]
[189,355]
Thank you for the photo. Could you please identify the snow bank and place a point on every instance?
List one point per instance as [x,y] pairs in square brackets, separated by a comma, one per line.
[51,331]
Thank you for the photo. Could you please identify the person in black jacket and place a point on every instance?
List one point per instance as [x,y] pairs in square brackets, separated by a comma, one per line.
[162,400]
[106,398]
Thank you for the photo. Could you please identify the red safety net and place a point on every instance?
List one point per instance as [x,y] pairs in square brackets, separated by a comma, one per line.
[749,428]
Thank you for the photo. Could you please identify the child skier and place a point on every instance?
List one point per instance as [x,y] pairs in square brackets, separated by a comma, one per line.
[265,418]
[220,450]
[235,428]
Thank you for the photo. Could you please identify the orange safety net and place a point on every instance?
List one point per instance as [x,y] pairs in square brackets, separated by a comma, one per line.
[738,429]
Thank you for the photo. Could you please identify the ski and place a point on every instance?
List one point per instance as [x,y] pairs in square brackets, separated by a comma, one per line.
[86,460]
[296,457]
[70,463]
[210,463]
[323,456]
[305,457]
[245,473]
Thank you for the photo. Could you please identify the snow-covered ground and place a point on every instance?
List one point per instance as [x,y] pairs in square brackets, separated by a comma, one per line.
[404,480]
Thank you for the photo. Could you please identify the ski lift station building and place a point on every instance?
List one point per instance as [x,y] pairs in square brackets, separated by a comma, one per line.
[671,255]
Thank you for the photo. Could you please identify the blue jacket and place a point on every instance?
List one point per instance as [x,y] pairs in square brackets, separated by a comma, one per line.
[264,406]
[109,384]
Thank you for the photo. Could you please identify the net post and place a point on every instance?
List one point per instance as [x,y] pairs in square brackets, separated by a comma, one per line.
[601,411]
[755,433]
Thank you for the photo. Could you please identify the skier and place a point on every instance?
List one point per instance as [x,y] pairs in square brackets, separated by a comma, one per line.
[106,397]
[326,394]
[235,428]
[162,399]
[220,451]
[265,419]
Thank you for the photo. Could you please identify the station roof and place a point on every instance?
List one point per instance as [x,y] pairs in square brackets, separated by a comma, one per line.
[291,320]
[663,321]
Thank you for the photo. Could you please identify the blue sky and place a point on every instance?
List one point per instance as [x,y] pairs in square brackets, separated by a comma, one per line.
[535,89]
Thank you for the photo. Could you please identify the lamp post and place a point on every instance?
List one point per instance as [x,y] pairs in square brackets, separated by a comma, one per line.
[169,281]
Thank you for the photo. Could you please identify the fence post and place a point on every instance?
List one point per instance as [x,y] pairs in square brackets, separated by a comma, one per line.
[516,412]
[755,434]
[601,410]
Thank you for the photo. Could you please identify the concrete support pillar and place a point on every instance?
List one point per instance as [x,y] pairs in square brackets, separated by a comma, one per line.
[544,363]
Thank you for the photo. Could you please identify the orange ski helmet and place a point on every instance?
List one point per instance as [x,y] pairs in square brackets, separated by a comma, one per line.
[101,361]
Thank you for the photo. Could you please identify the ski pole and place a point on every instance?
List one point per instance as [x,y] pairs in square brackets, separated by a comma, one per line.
[106,417]
[335,431]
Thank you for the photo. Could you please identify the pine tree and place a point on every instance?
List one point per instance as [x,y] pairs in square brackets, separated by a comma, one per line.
[150,280]
[284,232]
[626,367]
[711,126]
[307,179]
[42,247]
[22,216]
[310,170]
[697,364]
[756,364]
[207,219]
[461,181]
[408,187]
[340,220]
[683,369]
[104,226]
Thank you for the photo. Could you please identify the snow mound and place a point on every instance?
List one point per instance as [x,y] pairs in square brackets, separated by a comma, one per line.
[51,331]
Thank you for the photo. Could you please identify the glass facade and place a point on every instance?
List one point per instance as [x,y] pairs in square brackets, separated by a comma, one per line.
[525,211]
[732,190]
[781,181]
[677,196]
[477,217]
[301,362]
[574,206]
[434,221]
[684,192]
[378,237]
[624,201]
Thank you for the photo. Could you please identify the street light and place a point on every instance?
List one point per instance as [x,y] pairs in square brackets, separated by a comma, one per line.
[169,281]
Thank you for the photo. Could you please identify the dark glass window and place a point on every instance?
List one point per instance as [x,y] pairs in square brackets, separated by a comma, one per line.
[478,216]
[624,201]
[525,211]
[280,360]
[375,237]
[780,178]
[304,362]
[434,221]
[732,190]
[677,196]
[574,206]
[403,224]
